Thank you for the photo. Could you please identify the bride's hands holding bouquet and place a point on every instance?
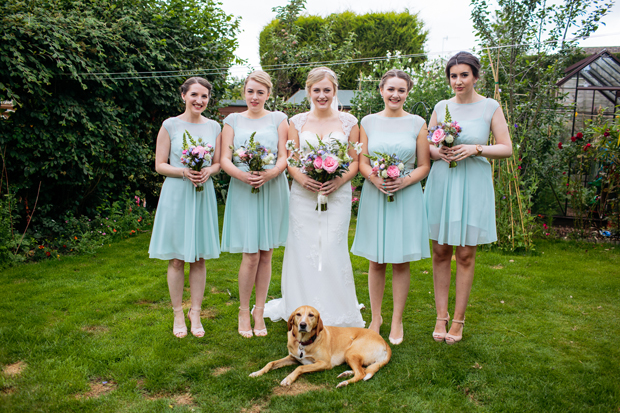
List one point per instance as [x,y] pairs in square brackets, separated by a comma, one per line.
[308,183]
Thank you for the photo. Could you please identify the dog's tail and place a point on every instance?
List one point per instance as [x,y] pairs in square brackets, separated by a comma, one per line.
[380,362]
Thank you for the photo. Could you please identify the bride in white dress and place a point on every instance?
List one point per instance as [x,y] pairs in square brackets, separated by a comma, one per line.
[317,269]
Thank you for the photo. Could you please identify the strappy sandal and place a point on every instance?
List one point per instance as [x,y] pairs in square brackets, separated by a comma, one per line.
[451,339]
[198,331]
[261,332]
[246,333]
[439,337]
[179,331]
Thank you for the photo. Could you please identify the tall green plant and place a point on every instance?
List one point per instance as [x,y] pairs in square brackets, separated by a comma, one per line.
[528,43]
[91,81]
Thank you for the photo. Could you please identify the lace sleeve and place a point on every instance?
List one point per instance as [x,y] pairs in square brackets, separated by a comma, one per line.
[299,121]
[348,121]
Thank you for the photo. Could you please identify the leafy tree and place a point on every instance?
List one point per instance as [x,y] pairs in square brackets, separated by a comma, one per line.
[338,36]
[91,81]
[529,44]
[286,46]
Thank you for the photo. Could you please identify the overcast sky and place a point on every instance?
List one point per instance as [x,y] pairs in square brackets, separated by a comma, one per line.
[448,23]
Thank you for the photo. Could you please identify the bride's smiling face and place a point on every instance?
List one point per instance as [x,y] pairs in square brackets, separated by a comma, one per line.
[322,93]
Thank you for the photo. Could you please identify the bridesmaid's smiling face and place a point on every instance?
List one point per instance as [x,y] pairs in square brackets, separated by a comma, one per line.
[462,79]
[256,94]
[322,93]
[394,93]
[196,98]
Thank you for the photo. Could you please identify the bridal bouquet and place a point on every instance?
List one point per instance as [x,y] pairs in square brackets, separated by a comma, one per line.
[196,155]
[254,155]
[445,134]
[328,160]
[386,166]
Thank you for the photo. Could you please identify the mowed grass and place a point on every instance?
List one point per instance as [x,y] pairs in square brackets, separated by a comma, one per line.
[94,333]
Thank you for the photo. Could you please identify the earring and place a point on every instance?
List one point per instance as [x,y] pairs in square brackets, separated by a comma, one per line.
[183,100]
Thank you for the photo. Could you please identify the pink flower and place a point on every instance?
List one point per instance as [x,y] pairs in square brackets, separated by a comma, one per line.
[354,199]
[199,150]
[330,164]
[375,169]
[438,136]
[393,171]
[185,152]
[318,162]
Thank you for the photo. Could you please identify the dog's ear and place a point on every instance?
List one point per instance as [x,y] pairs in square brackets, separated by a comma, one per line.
[319,325]
[291,321]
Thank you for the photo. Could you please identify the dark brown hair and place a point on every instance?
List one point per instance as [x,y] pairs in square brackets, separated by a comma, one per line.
[192,80]
[399,74]
[464,58]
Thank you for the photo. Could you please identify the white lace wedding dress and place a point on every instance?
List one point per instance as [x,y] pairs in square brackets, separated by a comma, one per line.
[314,238]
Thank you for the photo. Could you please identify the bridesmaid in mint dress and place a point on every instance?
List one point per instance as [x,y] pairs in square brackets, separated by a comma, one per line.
[186,226]
[255,223]
[460,201]
[392,232]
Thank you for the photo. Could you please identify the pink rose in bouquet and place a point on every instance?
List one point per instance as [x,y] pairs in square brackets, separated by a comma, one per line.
[318,162]
[438,136]
[199,150]
[330,164]
[393,171]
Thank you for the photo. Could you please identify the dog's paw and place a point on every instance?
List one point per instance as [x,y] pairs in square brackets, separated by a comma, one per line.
[255,374]
[343,383]
[286,382]
[347,373]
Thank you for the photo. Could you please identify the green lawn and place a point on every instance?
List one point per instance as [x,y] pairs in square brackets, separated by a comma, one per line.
[541,335]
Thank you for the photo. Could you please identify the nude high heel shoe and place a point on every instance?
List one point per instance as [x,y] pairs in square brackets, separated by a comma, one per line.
[451,339]
[179,331]
[246,333]
[198,331]
[439,337]
[261,332]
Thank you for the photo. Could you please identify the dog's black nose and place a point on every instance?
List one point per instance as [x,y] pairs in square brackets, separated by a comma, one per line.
[303,325]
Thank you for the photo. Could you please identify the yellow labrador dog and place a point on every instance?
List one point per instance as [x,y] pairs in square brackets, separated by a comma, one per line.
[317,347]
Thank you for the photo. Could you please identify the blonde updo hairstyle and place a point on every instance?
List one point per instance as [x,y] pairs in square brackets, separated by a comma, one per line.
[319,73]
[399,74]
[261,77]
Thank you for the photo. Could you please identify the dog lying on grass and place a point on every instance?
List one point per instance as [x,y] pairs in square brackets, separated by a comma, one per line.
[317,347]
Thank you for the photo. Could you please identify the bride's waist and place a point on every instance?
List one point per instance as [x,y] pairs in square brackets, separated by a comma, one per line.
[344,191]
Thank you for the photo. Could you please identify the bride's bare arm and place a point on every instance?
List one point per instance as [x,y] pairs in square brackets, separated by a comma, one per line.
[330,186]
[302,179]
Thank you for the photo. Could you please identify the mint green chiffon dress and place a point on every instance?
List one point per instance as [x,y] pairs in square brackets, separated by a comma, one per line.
[254,222]
[392,232]
[461,201]
[186,225]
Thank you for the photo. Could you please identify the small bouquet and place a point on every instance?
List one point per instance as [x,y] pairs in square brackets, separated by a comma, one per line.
[254,155]
[386,166]
[445,134]
[196,155]
[328,160]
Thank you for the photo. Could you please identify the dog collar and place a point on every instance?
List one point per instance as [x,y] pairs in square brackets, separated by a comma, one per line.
[307,343]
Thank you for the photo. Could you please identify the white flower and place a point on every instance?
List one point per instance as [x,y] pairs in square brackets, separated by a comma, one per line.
[358,147]
[290,145]
[401,166]
[375,163]
[449,139]
[384,174]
